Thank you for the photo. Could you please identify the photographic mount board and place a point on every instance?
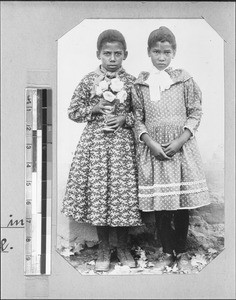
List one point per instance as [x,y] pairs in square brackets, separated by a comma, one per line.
[30,31]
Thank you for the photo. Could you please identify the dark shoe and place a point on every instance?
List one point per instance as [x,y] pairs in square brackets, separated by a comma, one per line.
[125,258]
[184,261]
[165,260]
[103,260]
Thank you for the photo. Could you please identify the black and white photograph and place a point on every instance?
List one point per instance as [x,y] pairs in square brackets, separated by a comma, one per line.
[127,206]
[117,150]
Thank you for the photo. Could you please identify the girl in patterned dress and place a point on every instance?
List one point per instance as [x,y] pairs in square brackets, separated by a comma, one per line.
[168,110]
[102,185]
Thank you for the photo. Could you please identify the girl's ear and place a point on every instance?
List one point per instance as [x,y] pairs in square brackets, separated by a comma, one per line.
[98,54]
[125,55]
[173,55]
[148,51]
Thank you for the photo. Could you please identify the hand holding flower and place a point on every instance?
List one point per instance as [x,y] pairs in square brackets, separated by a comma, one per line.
[112,92]
[115,122]
[100,108]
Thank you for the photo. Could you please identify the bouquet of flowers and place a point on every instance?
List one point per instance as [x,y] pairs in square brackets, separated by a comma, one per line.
[113,92]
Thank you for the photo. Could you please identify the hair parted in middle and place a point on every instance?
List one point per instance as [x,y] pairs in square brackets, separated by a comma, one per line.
[162,34]
[109,36]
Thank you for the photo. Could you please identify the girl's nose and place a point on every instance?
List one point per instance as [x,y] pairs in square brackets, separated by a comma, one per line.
[161,57]
[112,57]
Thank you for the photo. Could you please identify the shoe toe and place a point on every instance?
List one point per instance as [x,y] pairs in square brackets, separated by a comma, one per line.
[184,263]
[103,261]
[165,261]
[102,266]
[125,258]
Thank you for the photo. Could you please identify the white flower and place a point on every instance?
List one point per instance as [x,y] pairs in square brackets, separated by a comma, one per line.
[109,96]
[103,85]
[99,91]
[122,95]
[116,85]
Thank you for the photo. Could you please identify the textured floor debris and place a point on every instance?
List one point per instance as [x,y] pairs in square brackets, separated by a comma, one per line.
[201,249]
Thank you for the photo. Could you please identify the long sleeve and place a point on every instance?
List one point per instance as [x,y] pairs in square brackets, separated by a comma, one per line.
[129,116]
[129,120]
[139,114]
[80,109]
[193,102]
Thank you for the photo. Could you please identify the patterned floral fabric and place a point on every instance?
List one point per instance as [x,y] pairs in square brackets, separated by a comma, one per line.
[102,184]
[178,183]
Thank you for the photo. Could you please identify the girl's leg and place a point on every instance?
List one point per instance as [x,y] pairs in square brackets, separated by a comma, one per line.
[181,223]
[122,237]
[166,233]
[103,259]
[103,236]
[123,252]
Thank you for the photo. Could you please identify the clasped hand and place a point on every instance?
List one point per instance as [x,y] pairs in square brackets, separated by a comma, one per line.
[171,148]
[165,151]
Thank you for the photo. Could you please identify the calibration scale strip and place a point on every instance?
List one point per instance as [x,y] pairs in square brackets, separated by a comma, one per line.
[38,180]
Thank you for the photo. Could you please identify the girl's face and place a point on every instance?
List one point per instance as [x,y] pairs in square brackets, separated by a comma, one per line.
[161,55]
[111,56]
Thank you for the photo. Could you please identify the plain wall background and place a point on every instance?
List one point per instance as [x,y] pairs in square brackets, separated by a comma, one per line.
[29,34]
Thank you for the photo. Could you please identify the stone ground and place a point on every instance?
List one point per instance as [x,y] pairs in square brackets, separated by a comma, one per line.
[205,242]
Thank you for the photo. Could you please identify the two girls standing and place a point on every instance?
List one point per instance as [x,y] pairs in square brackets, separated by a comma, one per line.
[104,187]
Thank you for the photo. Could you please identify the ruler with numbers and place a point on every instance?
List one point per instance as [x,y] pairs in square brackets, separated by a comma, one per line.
[38,180]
